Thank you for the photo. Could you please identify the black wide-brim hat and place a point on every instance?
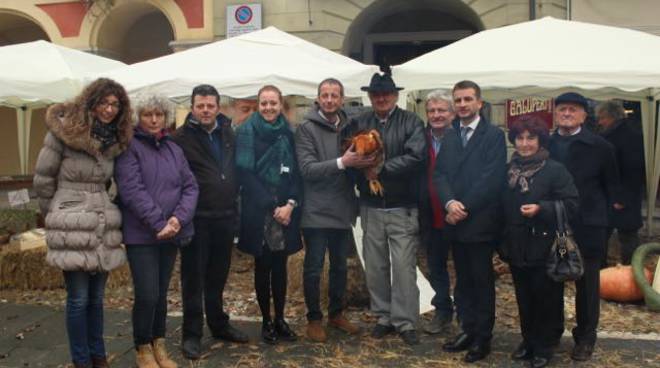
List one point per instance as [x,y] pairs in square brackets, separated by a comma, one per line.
[381,83]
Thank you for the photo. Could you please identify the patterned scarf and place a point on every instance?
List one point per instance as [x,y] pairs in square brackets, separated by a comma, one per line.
[104,133]
[521,169]
[279,154]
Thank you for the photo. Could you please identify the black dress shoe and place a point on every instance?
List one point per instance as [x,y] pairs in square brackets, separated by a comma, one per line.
[379,331]
[539,362]
[582,352]
[191,348]
[410,337]
[231,334]
[268,333]
[477,352]
[522,352]
[461,342]
[284,332]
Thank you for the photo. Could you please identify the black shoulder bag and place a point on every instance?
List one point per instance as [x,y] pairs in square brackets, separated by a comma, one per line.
[564,261]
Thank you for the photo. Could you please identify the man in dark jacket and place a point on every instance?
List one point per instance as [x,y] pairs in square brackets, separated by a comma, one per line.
[591,161]
[628,145]
[440,114]
[330,206]
[207,141]
[390,221]
[468,178]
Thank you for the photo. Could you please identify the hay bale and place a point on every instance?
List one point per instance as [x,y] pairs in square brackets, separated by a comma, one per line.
[28,270]
[356,285]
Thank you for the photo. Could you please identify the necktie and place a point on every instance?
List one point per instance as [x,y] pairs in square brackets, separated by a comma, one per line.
[464,135]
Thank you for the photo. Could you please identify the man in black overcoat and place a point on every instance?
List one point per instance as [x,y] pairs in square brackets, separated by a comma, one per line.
[591,161]
[468,177]
[626,137]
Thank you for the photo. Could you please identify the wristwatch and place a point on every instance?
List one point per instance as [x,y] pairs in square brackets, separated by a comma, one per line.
[292,202]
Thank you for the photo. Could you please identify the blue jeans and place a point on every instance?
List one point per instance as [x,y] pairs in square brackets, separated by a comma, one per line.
[151,269]
[84,314]
[316,242]
[437,254]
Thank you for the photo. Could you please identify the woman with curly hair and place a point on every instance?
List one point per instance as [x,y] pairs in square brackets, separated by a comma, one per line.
[83,227]
[158,195]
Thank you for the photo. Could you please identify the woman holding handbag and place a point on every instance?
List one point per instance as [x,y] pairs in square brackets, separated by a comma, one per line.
[270,216]
[535,183]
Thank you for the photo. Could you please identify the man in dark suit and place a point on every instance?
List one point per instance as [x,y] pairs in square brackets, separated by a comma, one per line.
[591,161]
[468,178]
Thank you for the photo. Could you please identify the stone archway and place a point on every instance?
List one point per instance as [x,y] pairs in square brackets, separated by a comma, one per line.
[390,32]
[134,31]
[15,28]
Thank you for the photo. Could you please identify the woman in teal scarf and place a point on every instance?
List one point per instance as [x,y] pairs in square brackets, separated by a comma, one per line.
[270,195]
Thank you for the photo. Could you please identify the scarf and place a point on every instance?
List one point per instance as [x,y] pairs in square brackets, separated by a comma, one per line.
[277,157]
[106,134]
[521,169]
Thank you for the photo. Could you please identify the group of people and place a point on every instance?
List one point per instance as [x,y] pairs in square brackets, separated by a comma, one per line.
[446,185]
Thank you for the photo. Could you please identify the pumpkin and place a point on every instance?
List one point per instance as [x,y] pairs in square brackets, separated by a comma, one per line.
[618,284]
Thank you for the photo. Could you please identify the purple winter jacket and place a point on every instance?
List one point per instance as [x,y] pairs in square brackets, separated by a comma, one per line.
[154,183]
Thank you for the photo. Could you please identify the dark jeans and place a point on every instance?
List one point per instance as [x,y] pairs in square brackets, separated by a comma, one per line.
[475,283]
[336,241]
[629,240]
[540,306]
[204,270]
[151,269]
[270,275]
[437,253]
[84,314]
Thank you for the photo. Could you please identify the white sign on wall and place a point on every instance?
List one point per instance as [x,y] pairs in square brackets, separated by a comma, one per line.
[243,18]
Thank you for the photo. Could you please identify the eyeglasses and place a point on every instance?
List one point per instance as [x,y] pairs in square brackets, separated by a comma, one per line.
[114,105]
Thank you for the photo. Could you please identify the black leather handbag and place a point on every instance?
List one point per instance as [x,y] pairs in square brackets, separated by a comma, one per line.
[564,261]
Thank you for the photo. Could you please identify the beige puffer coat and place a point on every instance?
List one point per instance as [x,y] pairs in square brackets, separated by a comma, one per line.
[83,227]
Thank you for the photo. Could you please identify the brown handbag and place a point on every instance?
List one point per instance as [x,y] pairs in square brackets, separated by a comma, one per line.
[564,262]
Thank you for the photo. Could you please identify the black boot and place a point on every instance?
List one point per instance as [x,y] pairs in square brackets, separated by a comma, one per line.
[268,333]
[283,330]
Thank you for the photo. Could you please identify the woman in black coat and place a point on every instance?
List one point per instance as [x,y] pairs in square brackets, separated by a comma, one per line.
[534,183]
[270,216]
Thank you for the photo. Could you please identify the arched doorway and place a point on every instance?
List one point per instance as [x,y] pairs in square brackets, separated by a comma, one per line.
[134,31]
[390,32]
[17,29]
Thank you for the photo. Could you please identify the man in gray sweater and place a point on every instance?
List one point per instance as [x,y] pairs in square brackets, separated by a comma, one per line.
[330,207]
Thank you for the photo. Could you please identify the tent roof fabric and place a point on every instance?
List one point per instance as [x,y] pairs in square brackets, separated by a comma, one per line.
[546,53]
[239,66]
[42,72]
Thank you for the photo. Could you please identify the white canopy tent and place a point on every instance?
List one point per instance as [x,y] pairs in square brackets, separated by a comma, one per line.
[239,66]
[35,74]
[547,57]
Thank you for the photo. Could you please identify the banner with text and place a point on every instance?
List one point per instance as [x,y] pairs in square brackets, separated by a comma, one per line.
[537,106]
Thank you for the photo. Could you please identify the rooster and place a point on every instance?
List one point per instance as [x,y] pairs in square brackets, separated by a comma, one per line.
[369,143]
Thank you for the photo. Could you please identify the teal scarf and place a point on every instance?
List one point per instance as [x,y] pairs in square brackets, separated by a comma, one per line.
[279,155]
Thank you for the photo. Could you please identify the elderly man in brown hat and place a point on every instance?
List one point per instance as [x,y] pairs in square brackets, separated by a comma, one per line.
[389,220]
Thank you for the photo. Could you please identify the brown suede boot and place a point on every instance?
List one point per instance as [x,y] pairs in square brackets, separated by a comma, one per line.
[316,332]
[145,357]
[340,322]
[100,362]
[160,353]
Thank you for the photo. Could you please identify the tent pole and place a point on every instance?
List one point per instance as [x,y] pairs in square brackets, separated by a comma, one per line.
[20,125]
[652,163]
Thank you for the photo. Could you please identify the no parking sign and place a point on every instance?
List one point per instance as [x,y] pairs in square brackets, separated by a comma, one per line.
[243,18]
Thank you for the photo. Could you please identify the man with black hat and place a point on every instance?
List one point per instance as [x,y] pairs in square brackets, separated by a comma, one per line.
[591,161]
[390,221]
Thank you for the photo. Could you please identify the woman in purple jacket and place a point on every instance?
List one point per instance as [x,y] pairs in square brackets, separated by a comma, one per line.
[158,196]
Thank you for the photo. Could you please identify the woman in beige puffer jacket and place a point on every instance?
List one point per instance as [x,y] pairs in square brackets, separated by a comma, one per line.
[83,227]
